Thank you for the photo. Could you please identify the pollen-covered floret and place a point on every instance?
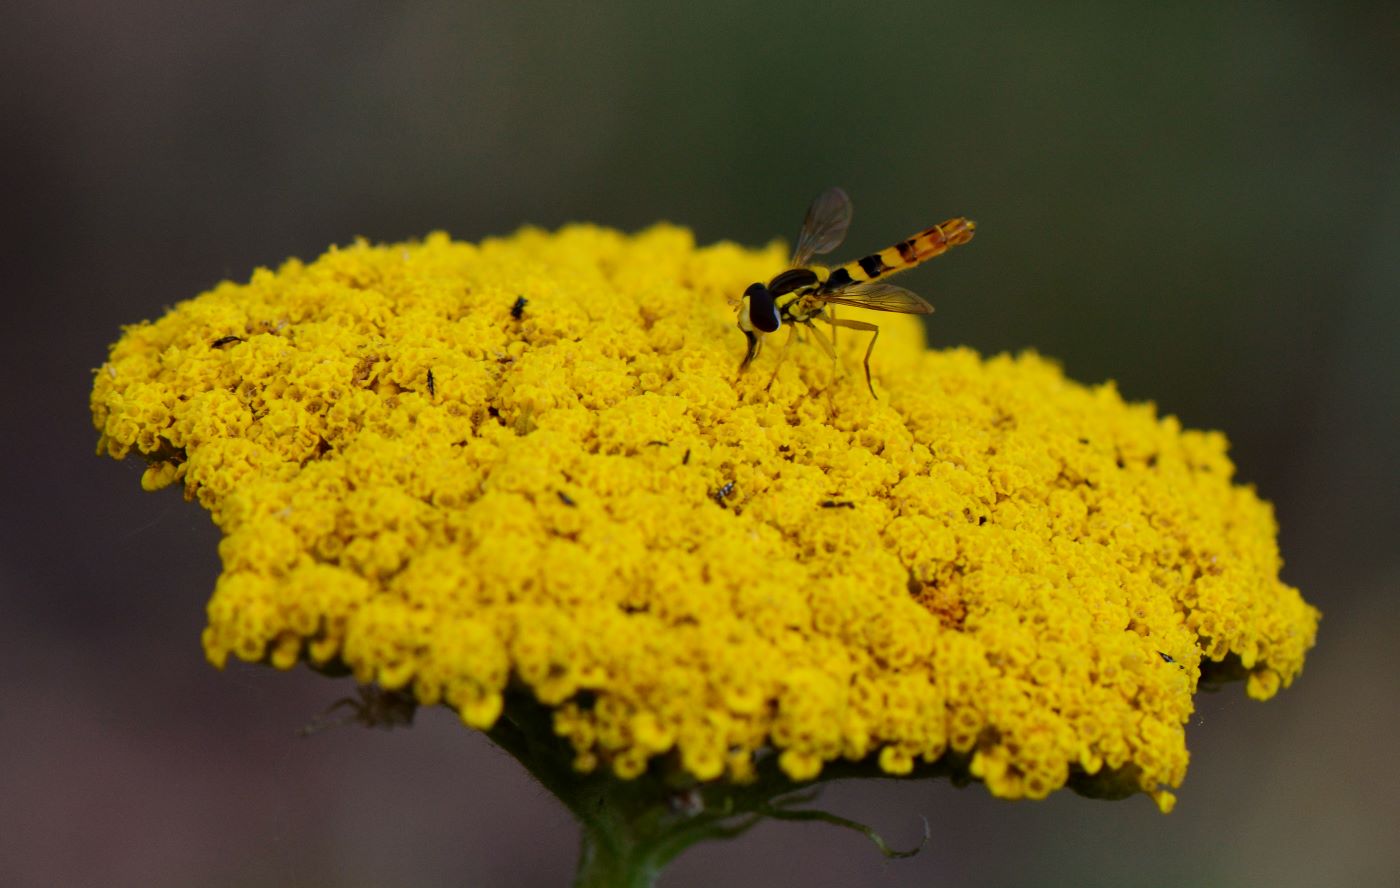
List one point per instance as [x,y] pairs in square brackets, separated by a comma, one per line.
[590,503]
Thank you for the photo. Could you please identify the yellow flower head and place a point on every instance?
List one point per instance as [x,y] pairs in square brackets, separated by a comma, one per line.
[531,466]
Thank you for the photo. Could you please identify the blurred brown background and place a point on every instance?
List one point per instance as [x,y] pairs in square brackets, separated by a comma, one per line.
[1200,202]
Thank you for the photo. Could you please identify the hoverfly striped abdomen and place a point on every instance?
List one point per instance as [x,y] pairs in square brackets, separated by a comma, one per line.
[921,247]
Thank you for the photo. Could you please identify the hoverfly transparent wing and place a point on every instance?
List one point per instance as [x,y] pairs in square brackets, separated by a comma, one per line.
[879,296]
[825,227]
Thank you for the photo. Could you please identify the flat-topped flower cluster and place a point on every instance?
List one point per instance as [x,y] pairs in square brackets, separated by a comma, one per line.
[531,465]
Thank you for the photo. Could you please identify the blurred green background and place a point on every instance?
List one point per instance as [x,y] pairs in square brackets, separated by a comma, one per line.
[1200,201]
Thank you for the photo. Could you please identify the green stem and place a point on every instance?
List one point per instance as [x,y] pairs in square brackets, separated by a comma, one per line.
[623,826]
[611,855]
[632,828]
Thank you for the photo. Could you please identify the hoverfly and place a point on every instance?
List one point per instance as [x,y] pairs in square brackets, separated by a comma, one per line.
[805,293]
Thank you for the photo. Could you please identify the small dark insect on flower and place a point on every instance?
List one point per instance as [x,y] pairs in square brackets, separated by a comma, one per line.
[375,708]
[723,493]
[685,460]
[432,383]
[687,802]
[518,308]
[226,340]
[838,504]
[566,499]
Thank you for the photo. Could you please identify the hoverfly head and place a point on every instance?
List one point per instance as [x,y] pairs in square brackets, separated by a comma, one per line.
[760,310]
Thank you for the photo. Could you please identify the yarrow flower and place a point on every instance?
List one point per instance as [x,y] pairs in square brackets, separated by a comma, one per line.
[525,479]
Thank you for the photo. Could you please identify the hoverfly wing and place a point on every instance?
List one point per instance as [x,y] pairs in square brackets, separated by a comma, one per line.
[825,227]
[879,296]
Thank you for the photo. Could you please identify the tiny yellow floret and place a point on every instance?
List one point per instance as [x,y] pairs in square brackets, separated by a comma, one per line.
[531,463]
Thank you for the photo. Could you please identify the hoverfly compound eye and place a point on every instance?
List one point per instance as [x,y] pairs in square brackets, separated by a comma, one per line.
[763,311]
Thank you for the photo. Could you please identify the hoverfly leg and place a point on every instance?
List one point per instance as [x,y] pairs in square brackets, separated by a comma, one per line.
[820,337]
[828,346]
[870,328]
[831,319]
[782,353]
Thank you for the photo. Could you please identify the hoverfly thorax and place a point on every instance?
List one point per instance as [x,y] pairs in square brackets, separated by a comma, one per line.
[792,280]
